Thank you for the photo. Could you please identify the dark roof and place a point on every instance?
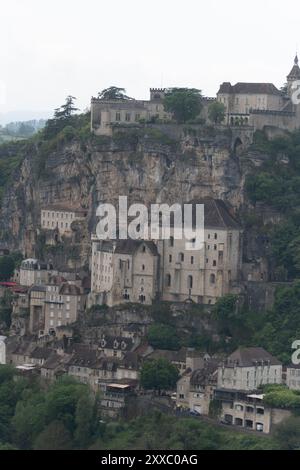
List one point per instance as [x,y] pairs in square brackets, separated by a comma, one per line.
[203,376]
[41,353]
[23,348]
[87,358]
[295,72]
[216,214]
[38,289]
[130,246]
[54,361]
[70,289]
[249,357]
[172,356]
[116,342]
[249,88]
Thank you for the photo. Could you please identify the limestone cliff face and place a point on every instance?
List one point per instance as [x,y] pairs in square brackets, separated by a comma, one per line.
[145,168]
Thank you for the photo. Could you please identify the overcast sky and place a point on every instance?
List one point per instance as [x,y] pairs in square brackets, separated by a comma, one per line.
[51,48]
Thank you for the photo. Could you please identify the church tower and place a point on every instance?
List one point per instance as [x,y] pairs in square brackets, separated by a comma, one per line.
[293,76]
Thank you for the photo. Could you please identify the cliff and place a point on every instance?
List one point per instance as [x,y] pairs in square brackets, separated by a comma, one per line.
[146,165]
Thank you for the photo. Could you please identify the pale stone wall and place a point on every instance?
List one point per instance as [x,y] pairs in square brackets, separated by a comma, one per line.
[202,275]
[293,378]
[60,219]
[240,413]
[248,378]
[61,309]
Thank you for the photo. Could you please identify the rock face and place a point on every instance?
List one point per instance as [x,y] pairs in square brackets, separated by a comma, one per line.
[146,168]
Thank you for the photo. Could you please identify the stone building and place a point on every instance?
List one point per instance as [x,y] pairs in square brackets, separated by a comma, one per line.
[247,410]
[34,272]
[64,302]
[261,104]
[122,272]
[37,297]
[248,369]
[60,218]
[209,273]
[108,113]
[142,271]
[293,377]
[2,350]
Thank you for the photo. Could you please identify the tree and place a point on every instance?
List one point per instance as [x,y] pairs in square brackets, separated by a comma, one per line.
[159,374]
[67,109]
[7,267]
[216,112]
[163,337]
[84,421]
[183,103]
[62,118]
[288,434]
[54,437]
[113,93]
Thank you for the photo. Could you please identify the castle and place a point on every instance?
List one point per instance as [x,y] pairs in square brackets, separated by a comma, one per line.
[252,105]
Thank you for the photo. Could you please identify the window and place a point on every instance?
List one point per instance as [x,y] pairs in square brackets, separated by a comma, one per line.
[212,279]
[137,117]
[118,116]
[143,267]
[171,242]
[192,260]
[168,280]
[214,263]
[215,247]
[216,236]
[181,257]
[170,258]
[190,282]
[127,117]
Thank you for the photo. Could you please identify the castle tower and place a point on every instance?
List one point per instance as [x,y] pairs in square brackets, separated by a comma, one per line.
[293,76]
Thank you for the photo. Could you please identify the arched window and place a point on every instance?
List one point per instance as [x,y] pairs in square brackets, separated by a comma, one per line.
[212,279]
[171,242]
[168,280]
[190,282]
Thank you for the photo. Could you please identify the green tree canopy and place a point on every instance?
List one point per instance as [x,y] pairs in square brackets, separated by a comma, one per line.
[159,374]
[216,112]
[54,437]
[163,337]
[184,103]
[113,93]
[7,266]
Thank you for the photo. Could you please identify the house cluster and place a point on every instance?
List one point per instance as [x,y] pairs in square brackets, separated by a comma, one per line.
[246,104]
[234,387]
[138,271]
[49,298]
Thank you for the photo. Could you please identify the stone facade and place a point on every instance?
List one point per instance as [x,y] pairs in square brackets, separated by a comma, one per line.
[137,271]
[64,302]
[249,368]
[108,113]
[126,271]
[60,218]
[293,377]
[34,272]
[260,105]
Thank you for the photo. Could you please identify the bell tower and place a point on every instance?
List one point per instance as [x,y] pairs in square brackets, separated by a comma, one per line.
[293,76]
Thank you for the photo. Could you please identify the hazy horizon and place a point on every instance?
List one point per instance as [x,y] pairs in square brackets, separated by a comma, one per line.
[53,49]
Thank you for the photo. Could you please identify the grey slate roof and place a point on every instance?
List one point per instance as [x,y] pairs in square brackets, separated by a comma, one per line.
[249,357]
[249,88]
